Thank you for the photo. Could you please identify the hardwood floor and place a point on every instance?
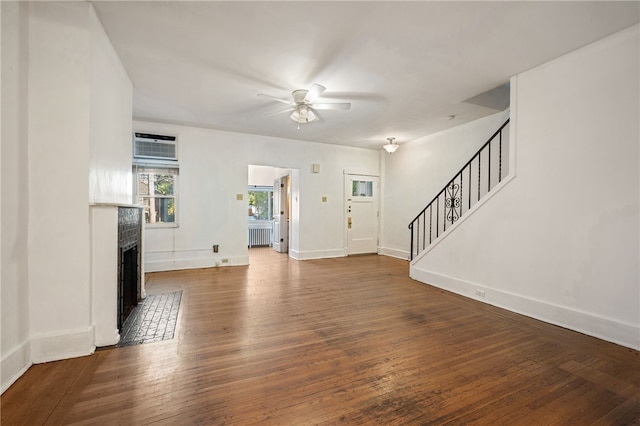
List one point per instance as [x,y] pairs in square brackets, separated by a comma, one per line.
[335,341]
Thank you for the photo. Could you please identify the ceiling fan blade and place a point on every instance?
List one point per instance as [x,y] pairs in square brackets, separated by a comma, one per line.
[281,111]
[284,101]
[342,105]
[315,91]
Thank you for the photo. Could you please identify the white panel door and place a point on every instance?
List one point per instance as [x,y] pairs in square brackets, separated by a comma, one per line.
[281,214]
[361,202]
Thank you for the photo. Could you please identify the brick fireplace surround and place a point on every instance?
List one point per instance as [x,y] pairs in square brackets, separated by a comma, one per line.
[117,267]
[129,259]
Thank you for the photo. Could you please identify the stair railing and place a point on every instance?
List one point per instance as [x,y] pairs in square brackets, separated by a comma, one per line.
[474,180]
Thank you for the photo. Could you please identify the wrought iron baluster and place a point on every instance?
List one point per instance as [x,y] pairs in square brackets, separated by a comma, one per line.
[411,251]
[500,159]
[418,238]
[489,170]
[444,221]
[424,227]
[470,184]
[479,165]
[430,221]
[461,186]
[437,216]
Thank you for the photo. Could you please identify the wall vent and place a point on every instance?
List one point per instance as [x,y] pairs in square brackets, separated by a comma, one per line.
[157,147]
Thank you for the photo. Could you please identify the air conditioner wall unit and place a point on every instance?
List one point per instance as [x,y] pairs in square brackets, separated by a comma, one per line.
[157,147]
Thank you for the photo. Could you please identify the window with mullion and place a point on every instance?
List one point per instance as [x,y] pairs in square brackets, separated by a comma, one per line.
[260,202]
[157,192]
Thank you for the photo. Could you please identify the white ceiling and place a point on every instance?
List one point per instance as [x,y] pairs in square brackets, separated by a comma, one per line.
[405,66]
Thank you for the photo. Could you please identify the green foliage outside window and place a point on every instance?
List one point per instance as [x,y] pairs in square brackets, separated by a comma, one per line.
[157,193]
[260,203]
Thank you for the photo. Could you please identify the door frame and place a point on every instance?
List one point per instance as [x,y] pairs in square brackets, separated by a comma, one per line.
[345,224]
[294,208]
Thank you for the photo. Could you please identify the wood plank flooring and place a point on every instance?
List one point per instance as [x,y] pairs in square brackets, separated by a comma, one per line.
[334,341]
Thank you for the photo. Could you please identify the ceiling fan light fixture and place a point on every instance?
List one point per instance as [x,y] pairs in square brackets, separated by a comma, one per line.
[302,114]
[303,103]
[392,146]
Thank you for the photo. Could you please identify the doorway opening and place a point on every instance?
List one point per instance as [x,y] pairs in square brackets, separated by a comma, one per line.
[272,208]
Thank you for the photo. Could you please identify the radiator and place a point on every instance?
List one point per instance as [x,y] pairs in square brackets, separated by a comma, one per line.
[259,237]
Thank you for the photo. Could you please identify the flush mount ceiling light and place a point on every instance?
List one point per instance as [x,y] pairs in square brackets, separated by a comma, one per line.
[392,146]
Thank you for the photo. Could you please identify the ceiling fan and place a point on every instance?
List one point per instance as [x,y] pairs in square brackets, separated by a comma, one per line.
[303,103]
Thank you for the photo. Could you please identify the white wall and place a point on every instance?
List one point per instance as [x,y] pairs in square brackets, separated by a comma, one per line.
[261,175]
[16,356]
[213,169]
[110,177]
[59,102]
[561,241]
[418,170]
[66,102]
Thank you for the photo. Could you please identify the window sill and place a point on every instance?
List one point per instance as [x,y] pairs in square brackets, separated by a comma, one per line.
[161,226]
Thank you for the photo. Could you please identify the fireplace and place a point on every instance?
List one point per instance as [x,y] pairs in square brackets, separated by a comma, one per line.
[129,247]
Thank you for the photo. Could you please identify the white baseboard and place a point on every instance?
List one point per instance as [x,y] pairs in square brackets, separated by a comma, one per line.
[316,254]
[173,263]
[15,364]
[62,346]
[107,340]
[399,254]
[608,329]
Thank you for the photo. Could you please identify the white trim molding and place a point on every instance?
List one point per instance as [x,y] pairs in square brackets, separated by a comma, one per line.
[15,364]
[54,347]
[189,259]
[392,252]
[317,254]
[608,329]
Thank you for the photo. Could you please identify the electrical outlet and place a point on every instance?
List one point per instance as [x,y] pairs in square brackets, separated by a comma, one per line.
[480,293]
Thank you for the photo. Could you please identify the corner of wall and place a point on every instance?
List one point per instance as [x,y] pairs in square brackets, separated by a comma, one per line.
[392,252]
[15,364]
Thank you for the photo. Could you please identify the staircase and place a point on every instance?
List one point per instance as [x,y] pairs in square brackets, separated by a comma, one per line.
[487,168]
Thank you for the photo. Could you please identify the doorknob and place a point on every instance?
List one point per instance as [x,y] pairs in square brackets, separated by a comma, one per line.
[349,223]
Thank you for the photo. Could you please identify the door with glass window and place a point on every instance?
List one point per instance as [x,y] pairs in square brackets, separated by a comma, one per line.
[361,204]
